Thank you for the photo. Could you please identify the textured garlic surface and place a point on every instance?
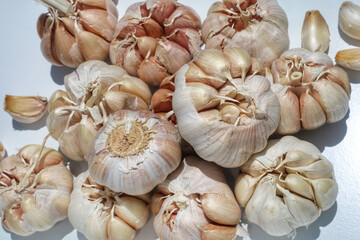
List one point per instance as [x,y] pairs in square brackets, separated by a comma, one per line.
[349,19]
[286,186]
[155,38]
[2,151]
[73,32]
[35,189]
[134,152]
[224,109]
[310,89]
[349,58]
[258,26]
[195,202]
[93,92]
[100,213]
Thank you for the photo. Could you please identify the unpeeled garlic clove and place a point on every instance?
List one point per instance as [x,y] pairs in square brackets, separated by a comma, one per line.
[132,210]
[69,143]
[162,100]
[339,76]
[58,99]
[86,135]
[134,86]
[349,16]
[25,109]
[203,96]
[116,101]
[59,118]
[297,158]
[318,169]
[92,46]
[349,58]
[152,28]
[117,229]
[229,112]
[182,17]
[146,44]
[244,188]
[315,34]
[195,74]
[210,115]
[290,114]
[188,38]
[160,9]
[312,114]
[132,60]
[326,191]
[240,61]
[157,199]
[298,185]
[151,72]
[216,232]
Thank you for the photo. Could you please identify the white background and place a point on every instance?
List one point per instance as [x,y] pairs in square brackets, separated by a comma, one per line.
[24,71]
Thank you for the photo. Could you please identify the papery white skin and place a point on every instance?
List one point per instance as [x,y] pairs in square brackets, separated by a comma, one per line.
[349,17]
[279,206]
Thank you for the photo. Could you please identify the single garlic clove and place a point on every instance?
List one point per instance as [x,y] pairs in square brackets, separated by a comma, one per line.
[240,61]
[188,38]
[312,114]
[69,143]
[257,67]
[152,28]
[195,74]
[349,58]
[168,83]
[86,135]
[151,72]
[58,99]
[157,199]
[69,24]
[326,191]
[57,176]
[216,232]
[318,169]
[146,44]
[315,34]
[244,188]
[203,96]
[116,101]
[297,184]
[129,27]
[13,221]
[160,9]
[117,229]
[132,61]
[162,100]
[25,109]
[297,158]
[210,115]
[133,211]
[134,86]
[214,23]
[59,118]
[92,46]
[229,112]
[182,17]
[221,208]
[289,114]
[349,16]
[338,76]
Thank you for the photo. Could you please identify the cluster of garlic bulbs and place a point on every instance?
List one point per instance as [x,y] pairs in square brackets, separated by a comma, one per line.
[257,26]
[223,113]
[74,31]
[155,38]
[93,91]
[310,89]
[100,213]
[134,152]
[286,186]
[195,202]
[35,189]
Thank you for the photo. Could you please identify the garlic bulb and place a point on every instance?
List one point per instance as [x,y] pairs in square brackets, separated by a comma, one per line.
[25,109]
[73,32]
[310,89]
[2,151]
[315,34]
[93,91]
[155,38]
[35,189]
[99,213]
[349,19]
[257,26]
[247,110]
[133,152]
[195,202]
[349,58]
[286,186]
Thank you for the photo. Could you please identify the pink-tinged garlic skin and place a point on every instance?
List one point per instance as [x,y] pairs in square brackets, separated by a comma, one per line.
[34,190]
[134,151]
[82,33]
[194,200]
[259,27]
[155,38]
[310,89]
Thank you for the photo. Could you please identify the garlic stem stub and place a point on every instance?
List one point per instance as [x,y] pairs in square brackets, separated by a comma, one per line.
[134,151]
[155,38]
[246,112]
[349,58]
[349,19]
[100,213]
[35,188]
[315,34]
[258,26]
[310,89]
[73,32]
[93,91]
[286,186]
[195,202]
[25,109]
[2,151]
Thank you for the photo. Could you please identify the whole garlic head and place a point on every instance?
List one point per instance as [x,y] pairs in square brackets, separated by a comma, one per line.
[286,186]
[133,152]
[225,118]
[155,38]
[257,26]
[195,202]
[35,189]
[310,89]
[99,213]
[93,91]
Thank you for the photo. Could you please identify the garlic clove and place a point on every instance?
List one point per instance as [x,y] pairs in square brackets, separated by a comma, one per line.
[116,101]
[152,28]
[168,83]
[297,158]
[312,114]
[214,23]
[117,229]
[59,119]
[195,74]
[162,100]
[92,46]
[151,72]
[326,190]
[318,169]
[188,38]
[220,208]
[338,76]
[257,67]
[244,188]
[58,99]
[289,114]
[69,24]
[25,109]
[315,34]
[146,44]
[216,232]
[297,184]
[86,135]
[132,61]
[240,61]
[69,143]
[349,16]
[12,220]
[57,176]
[157,199]
[145,197]
[182,17]
[128,28]
[210,115]
[203,96]
[160,9]
[229,112]
[133,211]
[349,58]
[134,86]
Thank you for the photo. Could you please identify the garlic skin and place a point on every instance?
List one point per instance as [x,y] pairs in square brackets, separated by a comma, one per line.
[286,186]
[349,16]
[155,38]
[134,151]
[195,202]
[310,89]
[315,34]
[2,151]
[249,110]
[93,92]
[25,109]
[99,213]
[349,58]
[74,32]
[35,188]
[260,27]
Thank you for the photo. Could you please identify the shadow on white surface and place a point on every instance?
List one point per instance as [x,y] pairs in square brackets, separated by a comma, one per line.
[348,39]
[30,126]
[80,236]
[76,167]
[58,73]
[353,75]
